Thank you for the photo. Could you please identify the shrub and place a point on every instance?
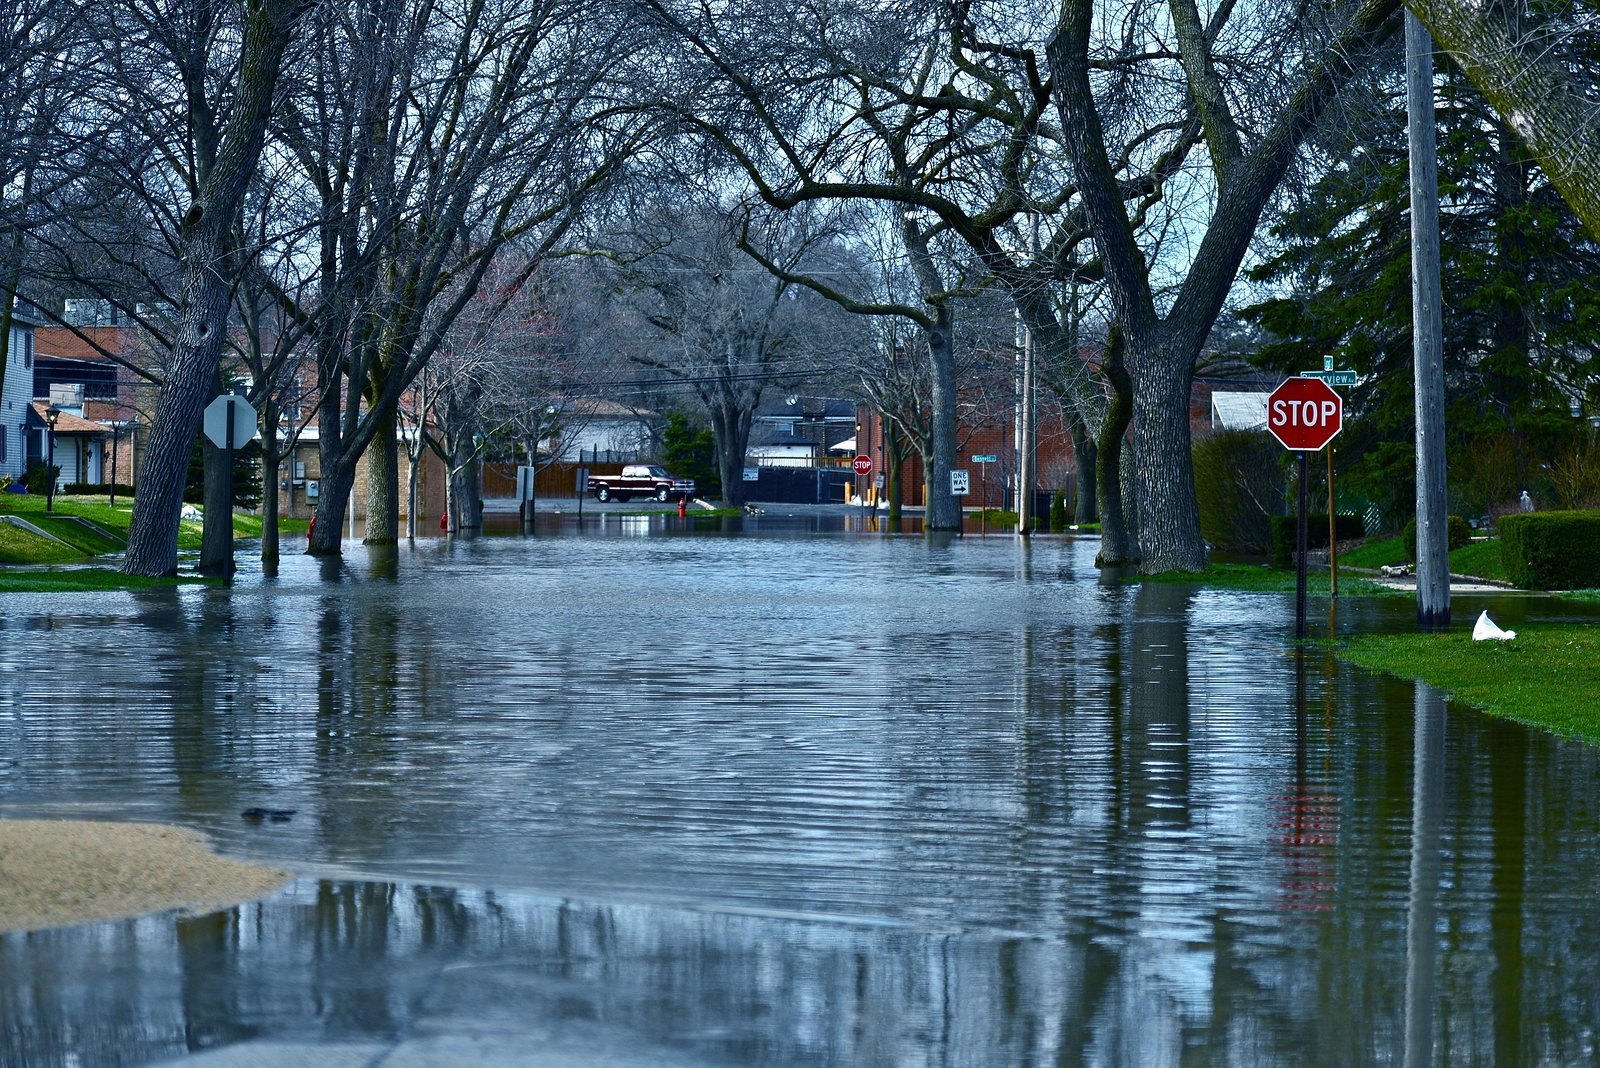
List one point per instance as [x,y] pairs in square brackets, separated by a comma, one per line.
[1459,533]
[690,451]
[36,480]
[1058,511]
[1285,532]
[1239,483]
[1551,550]
[96,489]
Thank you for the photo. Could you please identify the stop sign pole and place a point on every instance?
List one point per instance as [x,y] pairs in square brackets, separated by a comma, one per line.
[1304,414]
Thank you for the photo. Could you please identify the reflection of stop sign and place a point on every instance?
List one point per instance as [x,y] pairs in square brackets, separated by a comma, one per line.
[863,465]
[1304,414]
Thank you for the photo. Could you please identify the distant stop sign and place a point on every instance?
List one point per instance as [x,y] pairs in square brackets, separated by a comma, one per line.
[1305,414]
[863,465]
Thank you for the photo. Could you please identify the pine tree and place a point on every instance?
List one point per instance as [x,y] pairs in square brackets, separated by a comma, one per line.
[1521,293]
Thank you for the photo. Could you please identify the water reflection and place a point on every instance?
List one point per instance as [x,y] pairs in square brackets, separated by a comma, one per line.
[795,800]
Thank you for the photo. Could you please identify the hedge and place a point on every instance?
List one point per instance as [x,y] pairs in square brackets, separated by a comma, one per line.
[1285,533]
[1458,530]
[91,489]
[1551,550]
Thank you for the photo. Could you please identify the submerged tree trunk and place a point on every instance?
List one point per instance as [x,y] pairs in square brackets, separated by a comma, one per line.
[383,484]
[270,458]
[1085,509]
[730,429]
[466,504]
[1116,548]
[1169,512]
[943,508]
[894,460]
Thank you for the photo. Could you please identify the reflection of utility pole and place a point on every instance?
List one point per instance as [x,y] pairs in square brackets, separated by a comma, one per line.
[1433,546]
[1427,802]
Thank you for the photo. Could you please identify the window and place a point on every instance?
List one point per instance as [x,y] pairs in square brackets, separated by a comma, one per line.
[27,348]
[2,443]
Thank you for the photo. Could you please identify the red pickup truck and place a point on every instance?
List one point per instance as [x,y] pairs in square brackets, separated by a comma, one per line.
[640,480]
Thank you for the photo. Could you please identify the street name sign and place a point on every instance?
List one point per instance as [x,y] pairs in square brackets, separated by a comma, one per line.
[1304,414]
[862,464]
[217,423]
[985,459]
[960,483]
[1333,378]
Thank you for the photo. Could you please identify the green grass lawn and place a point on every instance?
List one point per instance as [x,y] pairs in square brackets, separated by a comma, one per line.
[1548,676]
[1247,577]
[84,580]
[995,517]
[97,510]
[19,546]
[1375,553]
[1481,559]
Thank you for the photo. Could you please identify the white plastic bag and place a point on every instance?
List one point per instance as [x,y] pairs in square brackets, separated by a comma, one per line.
[1486,631]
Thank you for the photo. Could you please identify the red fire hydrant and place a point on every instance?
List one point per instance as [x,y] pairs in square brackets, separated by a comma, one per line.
[312,529]
[444,522]
[683,507]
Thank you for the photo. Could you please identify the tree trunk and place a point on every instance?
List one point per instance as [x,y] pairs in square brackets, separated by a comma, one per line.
[327,530]
[466,504]
[1116,548]
[414,455]
[383,484]
[894,460]
[270,458]
[203,318]
[1083,451]
[1169,512]
[730,429]
[943,508]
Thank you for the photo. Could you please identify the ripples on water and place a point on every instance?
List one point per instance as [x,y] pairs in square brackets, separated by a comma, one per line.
[787,800]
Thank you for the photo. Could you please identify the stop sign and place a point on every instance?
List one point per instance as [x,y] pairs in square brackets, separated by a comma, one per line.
[863,465]
[1305,414]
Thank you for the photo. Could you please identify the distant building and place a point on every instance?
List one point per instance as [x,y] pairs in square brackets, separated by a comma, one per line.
[801,431]
[16,392]
[1239,411]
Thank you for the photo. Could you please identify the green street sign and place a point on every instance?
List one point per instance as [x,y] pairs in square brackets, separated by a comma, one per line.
[1333,378]
[985,459]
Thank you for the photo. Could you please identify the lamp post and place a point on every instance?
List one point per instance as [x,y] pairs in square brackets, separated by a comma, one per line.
[51,414]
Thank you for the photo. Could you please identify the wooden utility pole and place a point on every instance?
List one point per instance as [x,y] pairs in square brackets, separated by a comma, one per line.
[1333,531]
[1433,545]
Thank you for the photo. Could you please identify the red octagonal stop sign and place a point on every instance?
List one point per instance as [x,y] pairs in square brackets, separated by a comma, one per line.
[862,464]
[1305,414]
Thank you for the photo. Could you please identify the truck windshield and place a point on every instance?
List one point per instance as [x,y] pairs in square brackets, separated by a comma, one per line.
[659,472]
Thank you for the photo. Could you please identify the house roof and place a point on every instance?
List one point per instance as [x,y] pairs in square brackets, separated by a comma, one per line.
[68,423]
[1239,411]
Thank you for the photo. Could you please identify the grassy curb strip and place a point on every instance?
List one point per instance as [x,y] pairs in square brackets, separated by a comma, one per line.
[1548,677]
[1260,579]
[85,580]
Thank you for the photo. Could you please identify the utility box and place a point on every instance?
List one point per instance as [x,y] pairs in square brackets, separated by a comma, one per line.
[313,490]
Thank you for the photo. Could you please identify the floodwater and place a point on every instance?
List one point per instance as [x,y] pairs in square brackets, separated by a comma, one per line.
[755,794]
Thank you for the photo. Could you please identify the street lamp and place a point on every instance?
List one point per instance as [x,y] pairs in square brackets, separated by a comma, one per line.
[51,414]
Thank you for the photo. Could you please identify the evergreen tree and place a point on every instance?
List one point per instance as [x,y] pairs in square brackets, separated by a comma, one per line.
[690,451]
[1521,283]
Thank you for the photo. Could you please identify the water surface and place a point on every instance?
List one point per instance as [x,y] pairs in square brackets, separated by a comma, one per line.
[752,794]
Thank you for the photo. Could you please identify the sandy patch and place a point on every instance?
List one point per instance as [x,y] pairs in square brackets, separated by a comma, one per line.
[59,872]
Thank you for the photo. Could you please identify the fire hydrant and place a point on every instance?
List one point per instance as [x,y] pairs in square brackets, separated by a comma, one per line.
[683,507]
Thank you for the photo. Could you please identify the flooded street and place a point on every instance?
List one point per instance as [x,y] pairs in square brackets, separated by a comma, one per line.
[764,796]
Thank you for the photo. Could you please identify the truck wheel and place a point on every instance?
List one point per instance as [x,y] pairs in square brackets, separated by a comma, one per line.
[602,493]
[662,493]
[624,498]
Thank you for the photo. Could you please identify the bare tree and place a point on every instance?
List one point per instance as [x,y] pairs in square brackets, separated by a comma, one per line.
[721,325]
[430,136]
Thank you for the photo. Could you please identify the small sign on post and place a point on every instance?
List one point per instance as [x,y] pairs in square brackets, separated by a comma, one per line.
[960,483]
[862,464]
[1304,414]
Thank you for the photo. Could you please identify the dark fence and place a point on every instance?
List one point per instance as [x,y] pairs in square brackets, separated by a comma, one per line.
[799,485]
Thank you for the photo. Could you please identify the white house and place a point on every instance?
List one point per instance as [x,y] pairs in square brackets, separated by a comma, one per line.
[1239,411]
[16,392]
[602,431]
